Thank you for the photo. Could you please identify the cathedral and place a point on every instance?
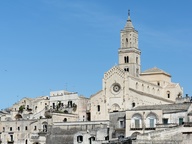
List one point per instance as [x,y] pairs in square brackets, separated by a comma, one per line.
[124,86]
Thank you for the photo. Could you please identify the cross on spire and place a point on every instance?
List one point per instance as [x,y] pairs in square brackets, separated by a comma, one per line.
[128,12]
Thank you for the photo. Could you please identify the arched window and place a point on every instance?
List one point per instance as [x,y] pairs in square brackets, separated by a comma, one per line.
[65,120]
[136,60]
[136,121]
[137,72]
[126,69]
[133,104]
[79,138]
[69,104]
[98,108]
[168,94]
[26,141]
[126,41]
[126,59]
[151,120]
[91,139]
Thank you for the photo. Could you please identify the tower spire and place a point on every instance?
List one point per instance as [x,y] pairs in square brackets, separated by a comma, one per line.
[129,24]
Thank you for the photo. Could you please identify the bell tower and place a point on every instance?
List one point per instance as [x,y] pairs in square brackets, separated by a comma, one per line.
[129,53]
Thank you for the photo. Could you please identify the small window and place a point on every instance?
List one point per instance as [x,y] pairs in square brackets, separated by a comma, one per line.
[121,124]
[26,141]
[92,138]
[26,128]
[168,94]
[35,128]
[11,137]
[136,60]
[107,138]
[165,121]
[79,138]
[3,129]
[98,108]
[136,85]
[69,104]
[158,83]
[65,120]
[137,72]
[180,121]
[53,105]
[45,128]
[18,128]
[133,105]
[11,129]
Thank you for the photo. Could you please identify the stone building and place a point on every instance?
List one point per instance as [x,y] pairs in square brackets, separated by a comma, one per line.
[27,121]
[68,106]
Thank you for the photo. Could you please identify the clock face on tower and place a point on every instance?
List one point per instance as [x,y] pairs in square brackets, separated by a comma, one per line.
[115,88]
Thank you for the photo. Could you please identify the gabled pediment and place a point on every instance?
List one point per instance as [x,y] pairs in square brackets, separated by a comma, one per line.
[114,70]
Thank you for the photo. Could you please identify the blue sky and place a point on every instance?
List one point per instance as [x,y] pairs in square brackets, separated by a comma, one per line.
[48,45]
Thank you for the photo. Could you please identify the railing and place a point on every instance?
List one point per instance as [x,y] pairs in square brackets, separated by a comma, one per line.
[150,128]
[10,141]
[142,128]
[166,125]
[136,128]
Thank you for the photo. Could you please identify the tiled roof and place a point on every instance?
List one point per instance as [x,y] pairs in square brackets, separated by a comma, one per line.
[165,107]
[155,70]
